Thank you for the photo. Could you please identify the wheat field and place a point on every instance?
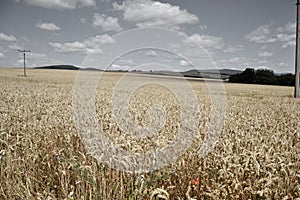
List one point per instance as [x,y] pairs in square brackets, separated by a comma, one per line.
[43,157]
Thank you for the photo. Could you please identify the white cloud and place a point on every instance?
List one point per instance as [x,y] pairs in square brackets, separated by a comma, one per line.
[282,64]
[283,37]
[48,26]
[206,41]
[290,27]
[265,54]
[232,49]
[68,47]
[37,60]
[15,46]
[61,4]
[8,38]
[25,39]
[203,27]
[190,47]
[93,42]
[147,13]
[151,53]
[119,67]
[268,34]
[107,23]
[90,45]
[32,55]
[287,35]
[184,63]
[291,43]
[93,51]
[235,62]
[262,67]
[1,55]
[260,62]
[83,20]
[262,34]
[125,61]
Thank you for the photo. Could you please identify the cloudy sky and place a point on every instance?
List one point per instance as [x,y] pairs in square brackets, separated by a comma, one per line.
[235,33]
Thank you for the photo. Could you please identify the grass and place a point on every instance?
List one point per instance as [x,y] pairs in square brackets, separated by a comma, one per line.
[42,156]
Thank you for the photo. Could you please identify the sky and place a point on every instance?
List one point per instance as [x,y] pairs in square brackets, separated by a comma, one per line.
[158,34]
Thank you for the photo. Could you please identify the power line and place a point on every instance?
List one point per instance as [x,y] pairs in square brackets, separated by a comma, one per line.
[24,52]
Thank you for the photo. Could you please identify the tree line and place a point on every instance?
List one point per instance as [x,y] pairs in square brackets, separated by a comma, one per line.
[263,76]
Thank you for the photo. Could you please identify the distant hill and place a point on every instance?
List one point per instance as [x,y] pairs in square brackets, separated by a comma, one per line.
[215,71]
[67,67]
[207,73]
[63,67]
[211,73]
[91,69]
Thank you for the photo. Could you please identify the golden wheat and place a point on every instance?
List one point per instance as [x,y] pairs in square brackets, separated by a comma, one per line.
[42,156]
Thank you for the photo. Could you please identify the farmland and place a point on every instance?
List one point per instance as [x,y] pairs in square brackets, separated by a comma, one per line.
[42,155]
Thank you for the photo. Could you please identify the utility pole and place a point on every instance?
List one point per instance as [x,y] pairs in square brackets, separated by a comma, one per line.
[24,52]
[297,61]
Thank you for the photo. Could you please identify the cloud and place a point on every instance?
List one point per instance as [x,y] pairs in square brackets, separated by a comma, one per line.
[189,46]
[287,35]
[125,61]
[184,63]
[206,41]
[269,34]
[147,13]
[90,45]
[37,59]
[242,63]
[203,27]
[233,62]
[290,27]
[25,39]
[282,64]
[236,60]
[93,42]
[265,54]
[68,47]
[260,62]
[232,49]
[283,37]
[151,53]
[48,26]
[32,55]
[61,4]
[289,44]
[14,46]
[93,51]
[107,23]
[82,20]
[262,34]
[7,38]
[120,67]
[1,55]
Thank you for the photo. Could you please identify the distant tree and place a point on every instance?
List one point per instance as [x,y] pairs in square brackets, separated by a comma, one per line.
[265,76]
[286,79]
[262,76]
[246,76]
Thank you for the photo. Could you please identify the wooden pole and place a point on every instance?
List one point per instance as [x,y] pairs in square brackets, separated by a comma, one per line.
[24,52]
[24,64]
[297,60]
